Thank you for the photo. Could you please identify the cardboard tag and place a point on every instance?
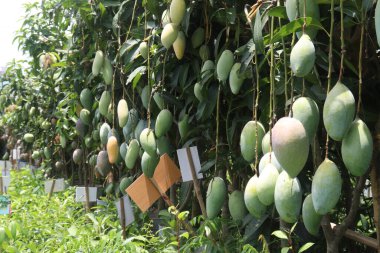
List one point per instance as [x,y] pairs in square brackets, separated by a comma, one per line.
[184,163]
[59,185]
[16,152]
[5,165]
[6,181]
[6,172]
[5,205]
[80,194]
[128,210]
[144,193]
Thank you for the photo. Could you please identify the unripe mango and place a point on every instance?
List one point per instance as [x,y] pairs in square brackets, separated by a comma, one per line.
[224,65]
[104,102]
[326,187]
[112,149]
[169,35]
[302,56]
[357,148]
[269,158]
[85,116]
[198,37]
[235,80]
[123,149]
[102,163]
[295,9]
[266,184]
[177,11]
[338,111]
[288,197]
[103,133]
[144,50]
[307,112]
[148,141]
[251,200]
[165,17]
[125,183]
[164,146]
[164,122]
[132,154]
[141,125]
[133,118]
[160,102]
[290,145]
[145,96]
[265,143]
[29,138]
[199,92]
[86,98]
[204,53]
[107,71]
[179,45]
[236,206]
[216,193]
[81,128]
[248,140]
[183,126]
[311,219]
[97,63]
[207,68]
[78,156]
[122,112]
[148,164]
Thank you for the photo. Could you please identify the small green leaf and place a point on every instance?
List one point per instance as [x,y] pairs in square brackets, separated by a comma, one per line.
[278,11]
[280,234]
[257,34]
[305,247]
[285,250]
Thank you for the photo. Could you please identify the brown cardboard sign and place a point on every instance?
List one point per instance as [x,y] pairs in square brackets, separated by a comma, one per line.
[144,193]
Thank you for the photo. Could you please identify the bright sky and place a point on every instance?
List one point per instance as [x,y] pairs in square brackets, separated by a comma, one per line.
[10,20]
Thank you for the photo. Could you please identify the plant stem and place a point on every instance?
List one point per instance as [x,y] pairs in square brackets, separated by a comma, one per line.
[360,63]
[342,46]
[330,64]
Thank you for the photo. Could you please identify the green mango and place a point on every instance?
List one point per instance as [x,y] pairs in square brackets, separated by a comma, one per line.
[266,184]
[326,187]
[132,121]
[290,145]
[164,122]
[148,141]
[85,116]
[103,133]
[177,11]
[81,128]
[179,45]
[47,153]
[199,92]
[164,146]
[236,206]
[145,96]
[296,9]
[169,35]
[248,140]
[86,98]
[29,138]
[251,200]
[235,79]
[107,71]
[104,102]
[144,50]
[78,156]
[102,163]
[269,158]
[311,219]
[141,125]
[183,126]
[123,149]
[97,64]
[224,65]
[307,112]
[149,164]
[160,102]
[357,148]
[288,197]
[265,143]
[198,37]
[125,183]
[216,194]
[207,68]
[302,56]
[204,53]
[338,111]
[122,112]
[132,154]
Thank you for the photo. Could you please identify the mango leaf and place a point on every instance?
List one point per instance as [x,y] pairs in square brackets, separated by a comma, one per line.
[136,74]
[377,21]
[278,11]
[285,249]
[291,27]
[305,247]
[257,34]
[280,234]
